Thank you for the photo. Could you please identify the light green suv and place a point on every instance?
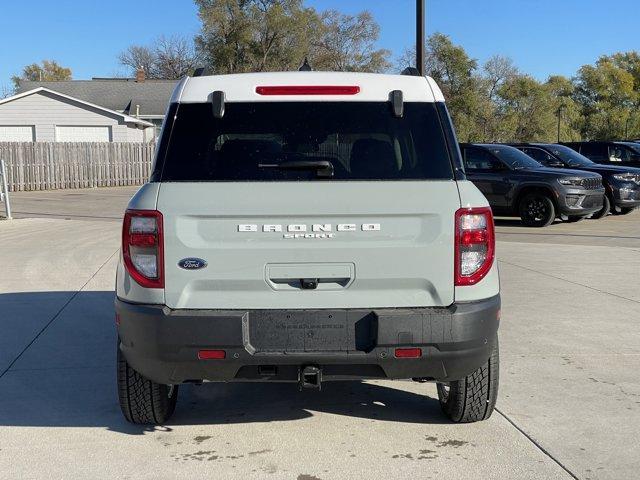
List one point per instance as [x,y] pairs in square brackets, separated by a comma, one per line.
[307,227]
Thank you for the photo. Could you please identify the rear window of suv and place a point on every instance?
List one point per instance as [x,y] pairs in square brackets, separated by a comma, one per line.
[297,141]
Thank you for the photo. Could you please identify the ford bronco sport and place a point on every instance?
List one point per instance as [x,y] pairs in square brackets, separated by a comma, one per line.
[307,227]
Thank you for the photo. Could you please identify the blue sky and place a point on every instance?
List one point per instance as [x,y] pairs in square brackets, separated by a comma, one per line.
[542,36]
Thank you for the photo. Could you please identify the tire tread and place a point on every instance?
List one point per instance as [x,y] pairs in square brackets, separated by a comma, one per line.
[143,401]
[473,398]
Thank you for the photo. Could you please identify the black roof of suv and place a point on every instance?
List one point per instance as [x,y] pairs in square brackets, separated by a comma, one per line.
[517,185]
[616,153]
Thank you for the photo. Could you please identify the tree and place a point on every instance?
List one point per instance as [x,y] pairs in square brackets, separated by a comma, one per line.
[496,103]
[455,72]
[5,92]
[567,111]
[630,63]
[489,117]
[255,35]
[495,72]
[606,95]
[347,43]
[47,71]
[276,35]
[166,58]
[138,57]
[527,110]
[469,93]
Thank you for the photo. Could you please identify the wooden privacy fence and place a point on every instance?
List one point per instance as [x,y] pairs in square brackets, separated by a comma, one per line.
[50,166]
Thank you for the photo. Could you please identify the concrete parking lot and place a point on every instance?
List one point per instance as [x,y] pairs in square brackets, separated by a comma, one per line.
[569,404]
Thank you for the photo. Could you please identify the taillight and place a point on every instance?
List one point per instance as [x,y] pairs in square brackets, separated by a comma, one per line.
[475,245]
[142,247]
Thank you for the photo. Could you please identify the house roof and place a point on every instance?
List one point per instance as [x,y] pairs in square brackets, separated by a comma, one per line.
[126,118]
[119,94]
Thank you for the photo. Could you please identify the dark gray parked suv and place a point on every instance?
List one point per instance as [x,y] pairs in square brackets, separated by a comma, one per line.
[622,183]
[517,185]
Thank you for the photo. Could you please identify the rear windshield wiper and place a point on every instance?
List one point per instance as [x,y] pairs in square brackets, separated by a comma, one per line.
[323,168]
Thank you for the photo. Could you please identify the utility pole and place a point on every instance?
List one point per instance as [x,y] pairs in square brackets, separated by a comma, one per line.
[420,36]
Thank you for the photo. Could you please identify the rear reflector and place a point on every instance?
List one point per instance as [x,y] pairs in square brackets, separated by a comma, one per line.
[408,352]
[309,90]
[212,355]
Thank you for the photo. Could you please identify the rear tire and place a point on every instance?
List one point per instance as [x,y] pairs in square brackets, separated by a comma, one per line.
[142,401]
[473,398]
[606,208]
[537,210]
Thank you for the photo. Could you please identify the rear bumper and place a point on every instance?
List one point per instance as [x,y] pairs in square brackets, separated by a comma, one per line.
[267,345]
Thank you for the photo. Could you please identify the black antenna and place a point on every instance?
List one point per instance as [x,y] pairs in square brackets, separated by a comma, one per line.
[420,36]
[305,67]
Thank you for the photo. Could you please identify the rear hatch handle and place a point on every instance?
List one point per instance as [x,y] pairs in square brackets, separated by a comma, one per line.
[319,276]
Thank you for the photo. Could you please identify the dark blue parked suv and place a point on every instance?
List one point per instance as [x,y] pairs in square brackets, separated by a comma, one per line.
[622,183]
[610,153]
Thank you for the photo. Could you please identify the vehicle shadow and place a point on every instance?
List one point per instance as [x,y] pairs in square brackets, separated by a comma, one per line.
[516,223]
[508,222]
[57,369]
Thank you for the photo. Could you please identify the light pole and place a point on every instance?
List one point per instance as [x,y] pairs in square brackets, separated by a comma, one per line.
[562,105]
[420,36]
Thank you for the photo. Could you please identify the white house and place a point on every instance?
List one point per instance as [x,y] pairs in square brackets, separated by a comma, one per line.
[42,115]
[97,110]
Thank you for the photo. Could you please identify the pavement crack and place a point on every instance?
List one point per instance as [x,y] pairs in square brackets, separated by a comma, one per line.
[55,317]
[621,297]
[538,446]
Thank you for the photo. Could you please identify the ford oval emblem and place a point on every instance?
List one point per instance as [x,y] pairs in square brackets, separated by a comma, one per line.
[192,264]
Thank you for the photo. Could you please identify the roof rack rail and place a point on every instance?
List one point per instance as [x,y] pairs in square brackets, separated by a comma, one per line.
[305,67]
[411,71]
[200,72]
